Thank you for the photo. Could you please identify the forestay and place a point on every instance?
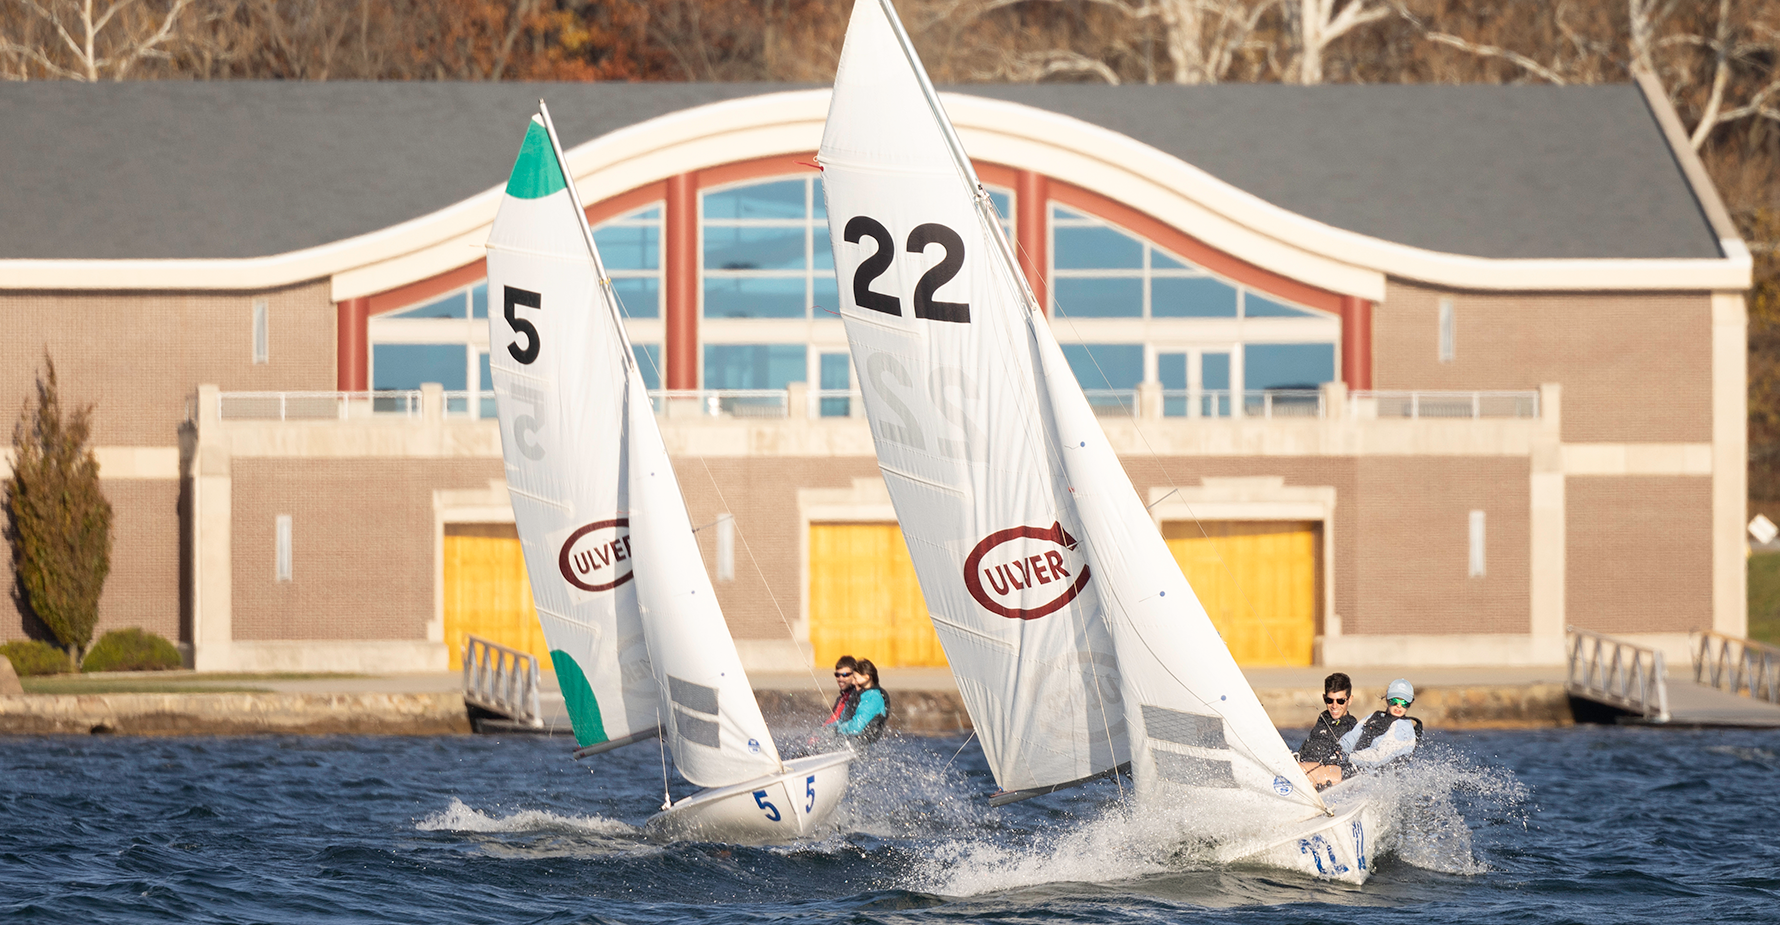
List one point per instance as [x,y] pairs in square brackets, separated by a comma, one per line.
[936,319]
[558,364]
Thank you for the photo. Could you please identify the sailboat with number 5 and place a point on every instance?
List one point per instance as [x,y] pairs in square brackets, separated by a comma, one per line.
[638,643]
[1078,646]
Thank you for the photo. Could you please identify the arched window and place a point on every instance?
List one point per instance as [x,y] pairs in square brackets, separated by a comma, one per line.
[1216,346]
[445,339]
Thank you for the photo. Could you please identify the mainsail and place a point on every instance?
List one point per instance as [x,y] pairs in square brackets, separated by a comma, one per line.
[1076,641]
[636,636]
[931,312]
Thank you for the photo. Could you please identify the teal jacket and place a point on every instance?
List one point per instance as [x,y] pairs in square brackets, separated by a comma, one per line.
[871,706]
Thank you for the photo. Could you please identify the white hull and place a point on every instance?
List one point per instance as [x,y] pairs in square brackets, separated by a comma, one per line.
[1343,847]
[775,808]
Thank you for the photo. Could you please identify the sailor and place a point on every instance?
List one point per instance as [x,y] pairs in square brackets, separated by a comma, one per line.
[1321,755]
[1388,735]
[845,671]
[871,708]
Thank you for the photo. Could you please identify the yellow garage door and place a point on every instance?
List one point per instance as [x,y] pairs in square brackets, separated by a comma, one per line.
[865,600]
[487,593]
[1259,582]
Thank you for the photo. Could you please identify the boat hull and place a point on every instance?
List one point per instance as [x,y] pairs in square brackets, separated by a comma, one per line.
[766,810]
[1342,847]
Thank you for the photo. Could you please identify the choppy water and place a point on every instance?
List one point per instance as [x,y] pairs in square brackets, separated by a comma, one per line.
[1575,825]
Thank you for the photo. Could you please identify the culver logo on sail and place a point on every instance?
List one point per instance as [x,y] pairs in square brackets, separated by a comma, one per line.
[597,556]
[1024,573]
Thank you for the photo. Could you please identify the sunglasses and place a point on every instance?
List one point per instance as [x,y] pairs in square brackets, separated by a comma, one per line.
[1328,699]
[843,674]
[1397,702]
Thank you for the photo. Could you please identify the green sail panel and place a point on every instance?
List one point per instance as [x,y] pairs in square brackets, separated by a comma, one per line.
[536,173]
[577,695]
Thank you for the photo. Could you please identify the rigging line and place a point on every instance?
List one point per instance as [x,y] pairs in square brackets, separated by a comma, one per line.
[667,799]
[967,740]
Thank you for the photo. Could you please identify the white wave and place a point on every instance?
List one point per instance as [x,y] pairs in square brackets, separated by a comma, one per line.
[1433,805]
[1118,845]
[459,817]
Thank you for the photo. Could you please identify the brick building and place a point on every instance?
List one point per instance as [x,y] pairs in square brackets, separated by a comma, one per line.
[1411,374]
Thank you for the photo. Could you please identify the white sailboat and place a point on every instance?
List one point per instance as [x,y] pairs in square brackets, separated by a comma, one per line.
[1076,641]
[639,645]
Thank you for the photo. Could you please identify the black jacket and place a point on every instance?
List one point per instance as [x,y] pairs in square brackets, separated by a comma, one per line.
[1323,745]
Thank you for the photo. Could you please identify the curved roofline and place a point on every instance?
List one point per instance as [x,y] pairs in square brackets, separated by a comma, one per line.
[1017,135]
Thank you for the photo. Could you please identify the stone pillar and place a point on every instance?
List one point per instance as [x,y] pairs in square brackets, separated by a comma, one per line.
[1730,468]
[1149,401]
[797,401]
[1547,536]
[1334,401]
[212,557]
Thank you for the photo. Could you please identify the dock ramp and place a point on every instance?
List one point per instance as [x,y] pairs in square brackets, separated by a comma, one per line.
[1735,682]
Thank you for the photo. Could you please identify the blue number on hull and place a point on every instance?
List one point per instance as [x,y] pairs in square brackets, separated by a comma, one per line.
[1360,843]
[772,812]
[1316,846]
[810,791]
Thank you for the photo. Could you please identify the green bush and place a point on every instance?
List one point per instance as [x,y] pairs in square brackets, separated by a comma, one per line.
[30,657]
[131,650]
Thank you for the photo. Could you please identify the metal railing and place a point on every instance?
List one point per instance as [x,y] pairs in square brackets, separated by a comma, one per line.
[1735,665]
[1419,404]
[1252,403]
[472,405]
[1613,671]
[317,406]
[502,680]
[1112,403]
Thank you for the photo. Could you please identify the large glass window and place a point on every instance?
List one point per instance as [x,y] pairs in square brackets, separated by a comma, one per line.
[445,339]
[630,246]
[1108,373]
[766,252]
[1101,271]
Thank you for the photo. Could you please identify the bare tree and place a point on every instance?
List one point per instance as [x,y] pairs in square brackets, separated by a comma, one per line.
[1320,23]
[87,41]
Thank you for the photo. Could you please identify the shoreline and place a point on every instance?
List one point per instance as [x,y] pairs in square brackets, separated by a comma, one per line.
[919,712]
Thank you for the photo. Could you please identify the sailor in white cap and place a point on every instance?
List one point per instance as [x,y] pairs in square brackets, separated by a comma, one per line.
[1387,735]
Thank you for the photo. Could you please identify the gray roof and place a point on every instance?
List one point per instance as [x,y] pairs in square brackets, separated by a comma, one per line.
[243,169]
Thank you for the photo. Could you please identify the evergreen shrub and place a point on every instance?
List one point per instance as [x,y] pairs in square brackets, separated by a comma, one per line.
[31,657]
[131,649]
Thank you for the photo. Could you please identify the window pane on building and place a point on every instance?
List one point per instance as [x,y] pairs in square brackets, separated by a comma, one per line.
[1255,305]
[753,248]
[406,366]
[1105,366]
[754,297]
[754,366]
[639,298]
[781,199]
[451,306]
[1287,366]
[648,364]
[1098,297]
[836,376]
[1095,249]
[629,247]
[1192,297]
[479,300]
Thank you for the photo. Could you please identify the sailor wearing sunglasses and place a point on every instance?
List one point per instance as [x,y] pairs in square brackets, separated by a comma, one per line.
[1321,756]
[1388,735]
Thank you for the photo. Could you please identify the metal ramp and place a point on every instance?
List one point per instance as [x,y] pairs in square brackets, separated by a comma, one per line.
[1617,681]
[501,688]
